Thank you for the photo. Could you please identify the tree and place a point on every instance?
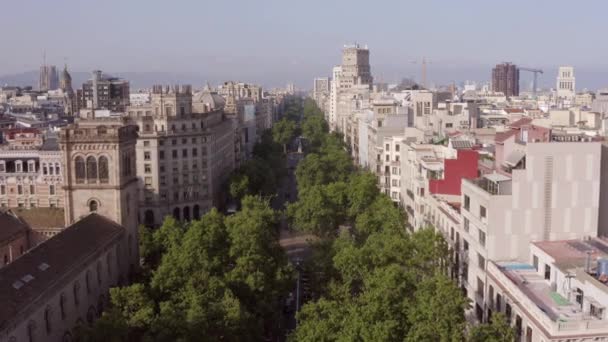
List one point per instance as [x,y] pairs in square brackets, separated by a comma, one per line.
[283,132]
[362,191]
[437,312]
[381,214]
[498,330]
[314,129]
[319,209]
[239,186]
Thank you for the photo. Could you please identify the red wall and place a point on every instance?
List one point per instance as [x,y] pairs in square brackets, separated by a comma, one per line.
[464,166]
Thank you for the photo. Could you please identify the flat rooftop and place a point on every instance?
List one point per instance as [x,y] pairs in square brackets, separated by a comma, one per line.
[537,289]
[573,253]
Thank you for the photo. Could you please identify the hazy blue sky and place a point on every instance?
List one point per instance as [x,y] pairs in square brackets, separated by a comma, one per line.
[280,40]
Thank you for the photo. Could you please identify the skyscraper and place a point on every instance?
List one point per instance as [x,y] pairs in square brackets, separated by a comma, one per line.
[505,79]
[49,79]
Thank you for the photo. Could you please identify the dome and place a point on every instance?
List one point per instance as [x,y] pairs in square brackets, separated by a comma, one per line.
[210,99]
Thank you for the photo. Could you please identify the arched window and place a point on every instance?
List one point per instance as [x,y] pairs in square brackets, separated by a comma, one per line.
[91,314]
[91,169]
[109,264]
[67,337]
[104,171]
[31,331]
[62,303]
[80,169]
[196,212]
[57,168]
[47,319]
[149,218]
[88,281]
[176,214]
[99,272]
[93,205]
[130,244]
[76,293]
[186,213]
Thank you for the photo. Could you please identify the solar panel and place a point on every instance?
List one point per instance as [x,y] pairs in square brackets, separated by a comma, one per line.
[580,246]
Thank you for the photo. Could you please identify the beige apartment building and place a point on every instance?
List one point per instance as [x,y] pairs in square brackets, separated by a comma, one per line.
[185,152]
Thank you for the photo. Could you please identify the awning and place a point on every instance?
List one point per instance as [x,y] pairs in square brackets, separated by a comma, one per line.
[514,158]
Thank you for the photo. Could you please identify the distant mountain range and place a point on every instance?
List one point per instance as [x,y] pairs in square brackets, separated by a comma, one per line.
[303,76]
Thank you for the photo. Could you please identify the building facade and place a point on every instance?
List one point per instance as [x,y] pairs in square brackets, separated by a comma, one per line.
[505,79]
[105,92]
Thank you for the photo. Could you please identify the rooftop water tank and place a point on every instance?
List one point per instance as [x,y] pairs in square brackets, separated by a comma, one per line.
[602,267]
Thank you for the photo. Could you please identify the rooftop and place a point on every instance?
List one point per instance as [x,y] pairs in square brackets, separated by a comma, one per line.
[38,271]
[10,226]
[40,217]
[573,253]
[537,289]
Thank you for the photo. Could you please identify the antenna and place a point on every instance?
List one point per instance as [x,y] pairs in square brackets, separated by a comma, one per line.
[44,57]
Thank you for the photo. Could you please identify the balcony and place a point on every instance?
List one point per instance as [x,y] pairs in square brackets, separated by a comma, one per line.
[495,184]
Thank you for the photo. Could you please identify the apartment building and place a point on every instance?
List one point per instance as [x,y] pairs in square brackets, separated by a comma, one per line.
[184,153]
[544,192]
[558,293]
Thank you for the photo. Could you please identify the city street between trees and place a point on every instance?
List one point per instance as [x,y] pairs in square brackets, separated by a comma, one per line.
[364,277]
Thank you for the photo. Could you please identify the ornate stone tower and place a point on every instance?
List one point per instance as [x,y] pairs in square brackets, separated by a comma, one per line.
[99,163]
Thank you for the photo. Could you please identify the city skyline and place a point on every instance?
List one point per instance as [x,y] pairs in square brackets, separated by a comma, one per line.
[281,42]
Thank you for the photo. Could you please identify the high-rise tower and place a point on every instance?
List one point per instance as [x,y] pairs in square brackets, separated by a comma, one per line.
[505,79]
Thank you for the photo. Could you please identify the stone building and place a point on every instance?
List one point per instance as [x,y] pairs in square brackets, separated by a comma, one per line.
[13,238]
[184,153]
[64,282]
[30,170]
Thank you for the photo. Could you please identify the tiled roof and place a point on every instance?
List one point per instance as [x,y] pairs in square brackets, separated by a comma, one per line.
[10,226]
[502,136]
[30,276]
[42,217]
[461,144]
[521,122]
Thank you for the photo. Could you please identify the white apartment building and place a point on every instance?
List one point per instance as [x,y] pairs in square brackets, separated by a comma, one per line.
[551,193]
[559,293]
[333,97]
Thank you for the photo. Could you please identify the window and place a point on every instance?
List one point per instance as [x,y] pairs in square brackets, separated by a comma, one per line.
[397,147]
[467,202]
[91,169]
[62,303]
[161,155]
[547,272]
[480,288]
[32,189]
[174,153]
[104,171]
[57,169]
[482,212]
[481,261]
[148,181]
[194,152]
[184,153]
[498,302]
[80,169]
[76,293]
[2,167]
[93,205]
[147,168]
[146,143]
[387,158]
[147,155]
[466,224]
[482,237]
[388,147]
[47,319]
[20,189]
[535,262]
[51,189]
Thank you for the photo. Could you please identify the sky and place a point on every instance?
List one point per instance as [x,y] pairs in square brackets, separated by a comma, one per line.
[273,42]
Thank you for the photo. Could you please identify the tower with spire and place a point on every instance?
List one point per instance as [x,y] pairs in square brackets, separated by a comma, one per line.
[65,85]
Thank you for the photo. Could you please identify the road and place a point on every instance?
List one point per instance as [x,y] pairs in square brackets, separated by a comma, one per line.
[296,244]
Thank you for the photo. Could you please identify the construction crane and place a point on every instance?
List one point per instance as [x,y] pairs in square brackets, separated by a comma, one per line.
[423,63]
[535,81]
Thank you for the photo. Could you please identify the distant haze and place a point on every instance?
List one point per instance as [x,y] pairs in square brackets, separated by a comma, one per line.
[273,42]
